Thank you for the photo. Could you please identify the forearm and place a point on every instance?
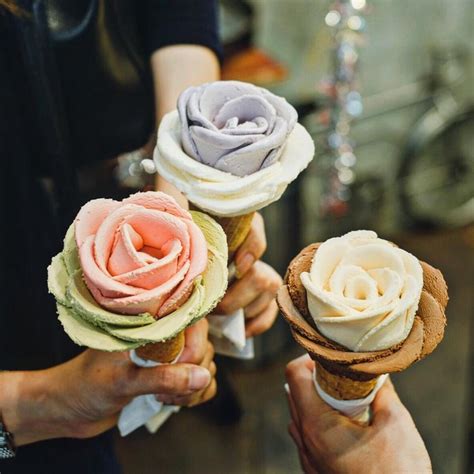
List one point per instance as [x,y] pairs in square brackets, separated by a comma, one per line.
[176,68]
[27,407]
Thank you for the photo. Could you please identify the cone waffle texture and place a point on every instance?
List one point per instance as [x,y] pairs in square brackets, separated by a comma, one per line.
[348,375]
[236,229]
[164,352]
[341,387]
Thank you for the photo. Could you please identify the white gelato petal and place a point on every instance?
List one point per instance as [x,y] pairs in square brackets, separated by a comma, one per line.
[221,193]
[363,292]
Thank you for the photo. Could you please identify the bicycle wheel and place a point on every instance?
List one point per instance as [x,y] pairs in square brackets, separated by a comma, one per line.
[436,177]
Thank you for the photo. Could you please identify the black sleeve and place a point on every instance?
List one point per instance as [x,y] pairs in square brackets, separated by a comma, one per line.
[170,22]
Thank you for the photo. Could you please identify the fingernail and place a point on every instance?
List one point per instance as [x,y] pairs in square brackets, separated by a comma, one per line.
[244,263]
[199,378]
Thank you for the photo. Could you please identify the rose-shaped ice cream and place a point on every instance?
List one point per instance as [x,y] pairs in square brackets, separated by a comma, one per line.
[150,268]
[233,126]
[363,292]
[231,148]
[141,255]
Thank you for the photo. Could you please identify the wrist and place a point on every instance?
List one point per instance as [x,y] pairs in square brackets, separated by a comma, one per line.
[27,406]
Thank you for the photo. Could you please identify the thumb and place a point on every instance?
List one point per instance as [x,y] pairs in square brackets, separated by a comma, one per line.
[387,404]
[308,403]
[170,379]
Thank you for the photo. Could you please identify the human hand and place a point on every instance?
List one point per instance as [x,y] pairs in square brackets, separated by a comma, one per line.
[83,397]
[332,443]
[199,351]
[256,284]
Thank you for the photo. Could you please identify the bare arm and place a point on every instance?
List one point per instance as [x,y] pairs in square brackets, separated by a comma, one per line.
[176,68]
[83,397]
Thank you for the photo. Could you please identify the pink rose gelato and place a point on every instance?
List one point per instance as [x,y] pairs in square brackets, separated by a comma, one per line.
[140,255]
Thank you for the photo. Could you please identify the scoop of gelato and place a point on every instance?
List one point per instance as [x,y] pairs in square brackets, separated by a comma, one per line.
[137,271]
[141,254]
[234,126]
[231,148]
[363,292]
[426,333]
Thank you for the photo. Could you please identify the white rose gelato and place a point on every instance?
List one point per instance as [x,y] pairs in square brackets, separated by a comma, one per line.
[231,148]
[363,292]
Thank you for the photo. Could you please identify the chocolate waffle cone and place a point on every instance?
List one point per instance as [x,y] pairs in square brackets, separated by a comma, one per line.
[348,375]
[164,352]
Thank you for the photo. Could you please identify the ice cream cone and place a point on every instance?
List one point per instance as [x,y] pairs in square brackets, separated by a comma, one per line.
[164,352]
[347,375]
[236,229]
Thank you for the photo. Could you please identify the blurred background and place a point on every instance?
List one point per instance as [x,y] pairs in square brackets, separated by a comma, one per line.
[385,89]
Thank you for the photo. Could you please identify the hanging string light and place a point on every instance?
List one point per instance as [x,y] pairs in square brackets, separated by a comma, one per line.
[347,23]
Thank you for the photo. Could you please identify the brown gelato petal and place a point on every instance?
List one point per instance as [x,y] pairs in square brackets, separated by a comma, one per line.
[314,342]
[425,335]
[434,319]
[435,284]
[401,358]
[301,263]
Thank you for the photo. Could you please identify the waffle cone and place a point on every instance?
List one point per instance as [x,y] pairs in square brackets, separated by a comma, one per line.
[342,387]
[164,352]
[236,229]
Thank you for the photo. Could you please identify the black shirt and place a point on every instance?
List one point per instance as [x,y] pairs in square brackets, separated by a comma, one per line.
[41,147]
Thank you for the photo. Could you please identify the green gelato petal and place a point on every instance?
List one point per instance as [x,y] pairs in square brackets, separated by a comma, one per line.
[84,304]
[70,253]
[88,324]
[166,327]
[213,232]
[86,334]
[58,279]
[215,277]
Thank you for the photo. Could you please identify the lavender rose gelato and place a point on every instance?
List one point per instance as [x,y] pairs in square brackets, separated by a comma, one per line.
[231,148]
[234,127]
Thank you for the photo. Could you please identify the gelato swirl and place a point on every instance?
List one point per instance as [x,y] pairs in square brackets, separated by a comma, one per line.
[231,148]
[426,333]
[233,126]
[137,271]
[363,292]
[141,255]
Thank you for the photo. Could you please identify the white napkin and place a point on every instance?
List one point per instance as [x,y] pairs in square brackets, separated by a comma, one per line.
[144,409]
[227,331]
[359,409]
